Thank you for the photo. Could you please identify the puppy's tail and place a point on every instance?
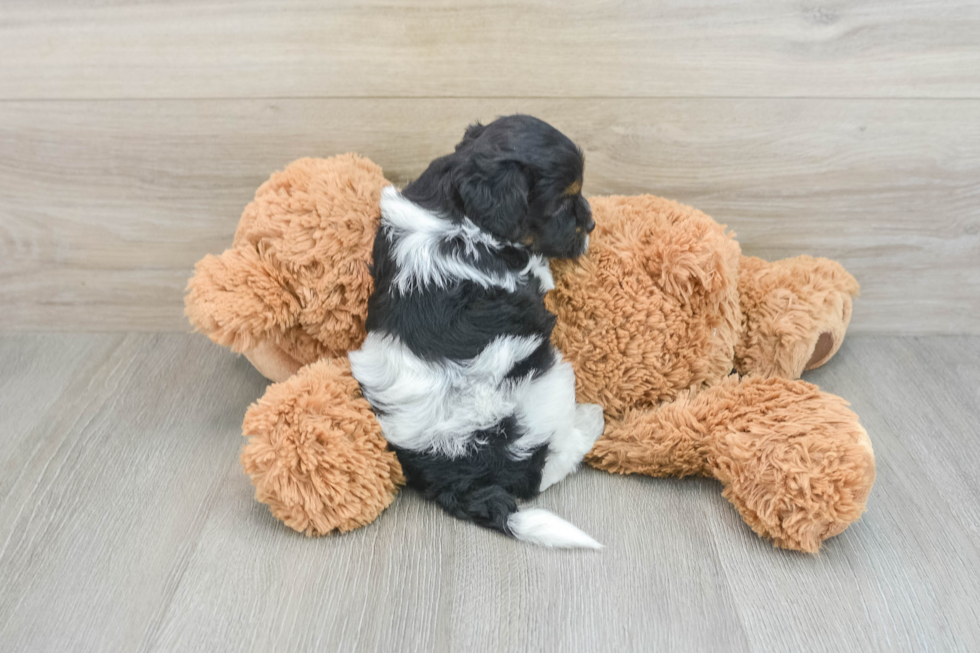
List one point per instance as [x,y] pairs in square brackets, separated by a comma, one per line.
[548,529]
[493,507]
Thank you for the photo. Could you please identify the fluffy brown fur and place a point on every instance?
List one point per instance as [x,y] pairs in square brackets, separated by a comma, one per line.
[654,318]
[295,280]
[316,454]
[794,314]
[652,309]
[793,460]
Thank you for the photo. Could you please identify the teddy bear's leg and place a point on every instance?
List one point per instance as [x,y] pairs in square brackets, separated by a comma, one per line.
[240,298]
[795,313]
[793,460]
[316,454]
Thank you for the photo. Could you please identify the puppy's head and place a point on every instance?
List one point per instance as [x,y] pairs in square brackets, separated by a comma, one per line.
[520,179]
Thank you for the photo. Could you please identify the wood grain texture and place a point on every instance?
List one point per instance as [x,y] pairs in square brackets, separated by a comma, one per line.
[126,524]
[105,206]
[106,489]
[910,557]
[466,48]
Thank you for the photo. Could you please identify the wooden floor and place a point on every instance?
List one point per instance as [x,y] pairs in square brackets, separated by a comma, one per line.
[126,524]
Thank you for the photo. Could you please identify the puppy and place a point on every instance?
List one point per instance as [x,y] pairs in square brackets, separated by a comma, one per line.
[458,363]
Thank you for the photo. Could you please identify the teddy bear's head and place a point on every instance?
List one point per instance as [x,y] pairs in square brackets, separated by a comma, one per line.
[664,303]
[653,308]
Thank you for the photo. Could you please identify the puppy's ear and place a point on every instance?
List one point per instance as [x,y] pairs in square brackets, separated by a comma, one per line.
[472,133]
[494,194]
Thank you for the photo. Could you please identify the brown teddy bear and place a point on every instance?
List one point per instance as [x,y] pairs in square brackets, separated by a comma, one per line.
[692,350]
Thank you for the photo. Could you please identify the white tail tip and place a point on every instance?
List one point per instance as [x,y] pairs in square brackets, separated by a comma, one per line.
[546,529]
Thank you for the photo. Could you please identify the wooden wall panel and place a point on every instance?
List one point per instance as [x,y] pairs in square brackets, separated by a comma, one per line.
[467,48]
[106,205]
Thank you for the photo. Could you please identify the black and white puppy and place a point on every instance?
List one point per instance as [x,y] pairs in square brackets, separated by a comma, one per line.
[458,364]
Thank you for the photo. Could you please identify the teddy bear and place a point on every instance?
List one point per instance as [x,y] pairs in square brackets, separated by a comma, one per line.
[693,350]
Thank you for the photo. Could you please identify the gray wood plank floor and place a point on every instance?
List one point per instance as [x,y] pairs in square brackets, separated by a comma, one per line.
[127,524]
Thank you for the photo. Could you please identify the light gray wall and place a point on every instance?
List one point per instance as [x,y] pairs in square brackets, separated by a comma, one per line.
[133,133]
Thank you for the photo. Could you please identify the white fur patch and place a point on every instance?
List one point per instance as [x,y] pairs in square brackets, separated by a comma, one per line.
[568,447]
[415,235]
[546,529]
[438,407]
[546,408]
[540,268]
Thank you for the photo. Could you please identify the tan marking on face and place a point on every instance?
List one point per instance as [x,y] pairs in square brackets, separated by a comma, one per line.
[527,240]
[574,189]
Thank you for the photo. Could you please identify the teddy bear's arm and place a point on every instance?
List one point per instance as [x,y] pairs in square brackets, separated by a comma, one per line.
[238,298]
[315,452]
[795,313]
[793,460]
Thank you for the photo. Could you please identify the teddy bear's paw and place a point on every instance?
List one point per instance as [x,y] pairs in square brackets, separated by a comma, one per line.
[272,361]
[795,314]
[826,346]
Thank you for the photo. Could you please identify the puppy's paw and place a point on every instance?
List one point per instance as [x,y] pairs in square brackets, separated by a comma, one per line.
[566,450]
[589,421]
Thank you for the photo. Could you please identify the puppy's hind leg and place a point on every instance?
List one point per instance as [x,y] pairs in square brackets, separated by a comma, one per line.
[566,450]
[549,415]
